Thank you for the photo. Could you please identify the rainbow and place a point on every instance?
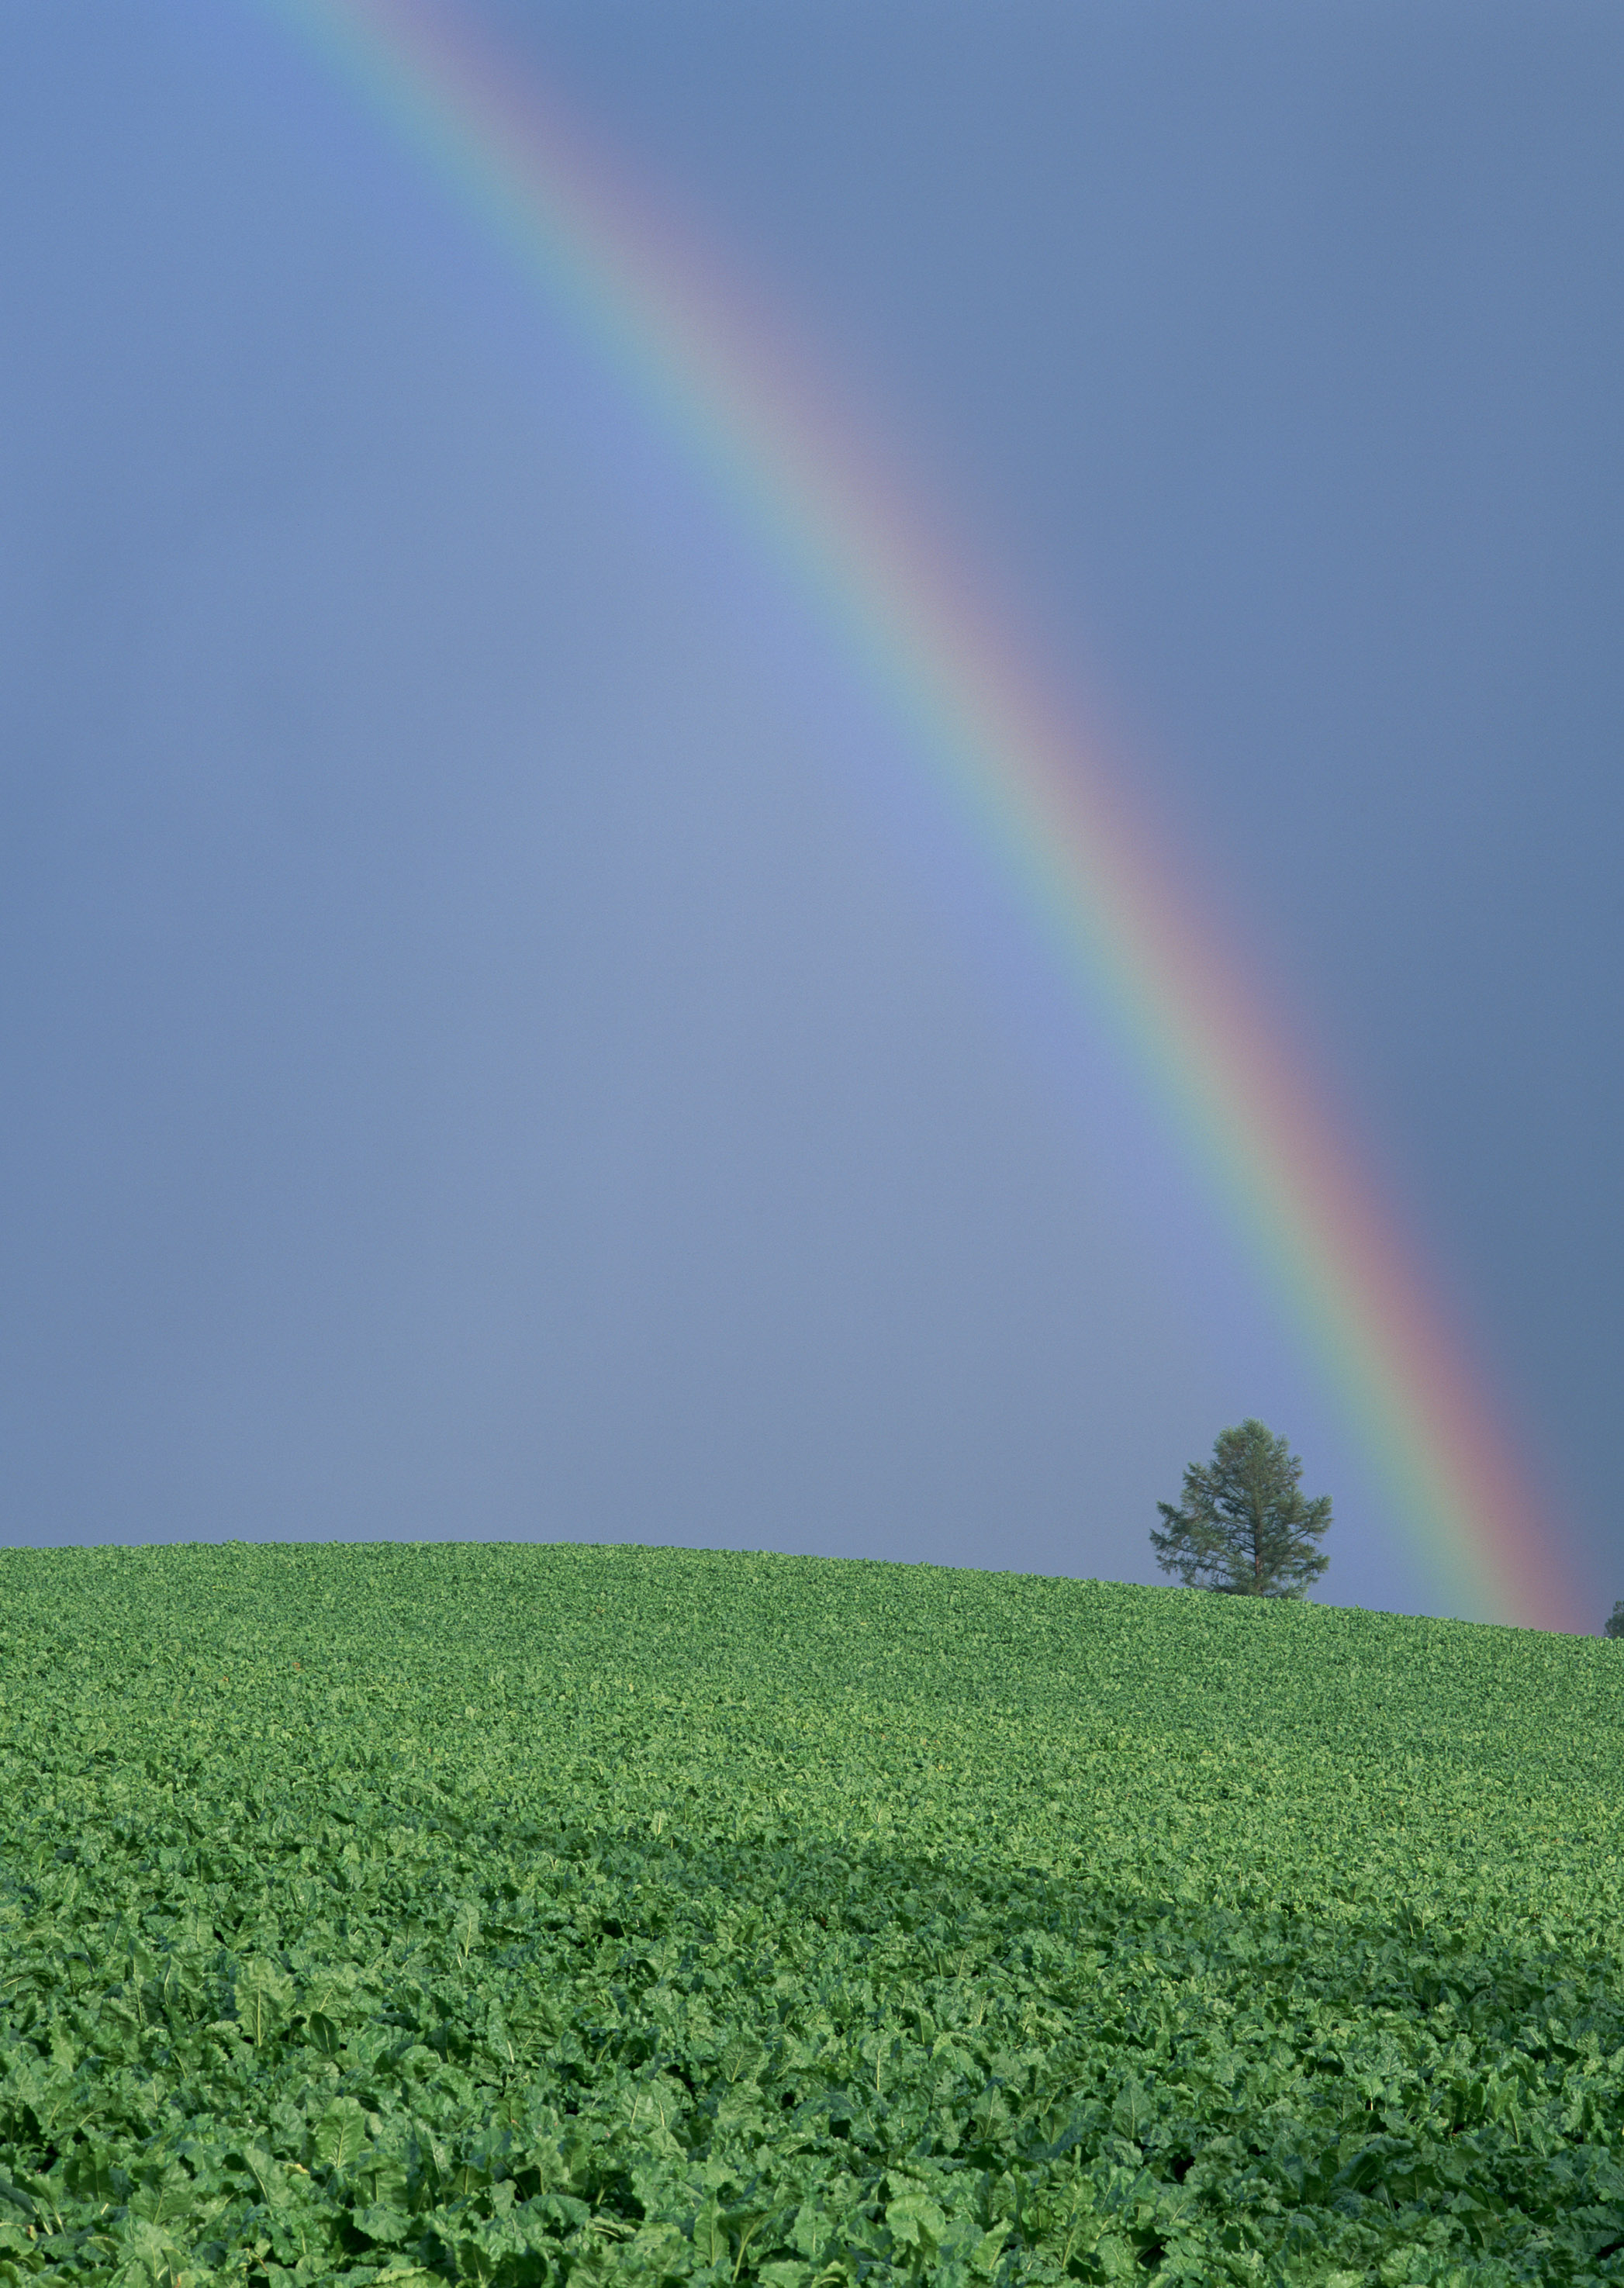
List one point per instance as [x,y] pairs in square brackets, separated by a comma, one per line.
[1113,909]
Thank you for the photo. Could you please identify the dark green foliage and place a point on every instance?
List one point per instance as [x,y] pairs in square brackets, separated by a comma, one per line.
[520,1915]
[1244,1526]
[1614,1625]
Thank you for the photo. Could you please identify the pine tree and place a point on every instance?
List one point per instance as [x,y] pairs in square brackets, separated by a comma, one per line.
[1244,1526]
[1614,1625]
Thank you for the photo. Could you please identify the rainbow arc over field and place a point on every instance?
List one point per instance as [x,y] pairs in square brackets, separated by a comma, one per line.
[1111,908]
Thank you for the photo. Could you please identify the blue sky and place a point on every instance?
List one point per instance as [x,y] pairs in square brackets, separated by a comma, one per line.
[496,1045]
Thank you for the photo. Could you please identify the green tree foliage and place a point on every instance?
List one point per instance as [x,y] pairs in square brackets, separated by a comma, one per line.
[1614,1625]
[1244,1526]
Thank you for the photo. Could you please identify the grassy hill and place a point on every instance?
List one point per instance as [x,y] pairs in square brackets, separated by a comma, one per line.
[534,1914]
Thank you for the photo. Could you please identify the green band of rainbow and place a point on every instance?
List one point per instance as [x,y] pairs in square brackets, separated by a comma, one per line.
[1108,905]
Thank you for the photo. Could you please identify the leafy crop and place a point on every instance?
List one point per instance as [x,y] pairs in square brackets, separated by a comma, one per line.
[533,1914]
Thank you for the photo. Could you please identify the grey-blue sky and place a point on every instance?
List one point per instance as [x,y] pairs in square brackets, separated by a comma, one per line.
[489,1061]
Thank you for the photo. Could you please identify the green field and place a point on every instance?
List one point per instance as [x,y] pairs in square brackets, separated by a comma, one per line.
[540,1913]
